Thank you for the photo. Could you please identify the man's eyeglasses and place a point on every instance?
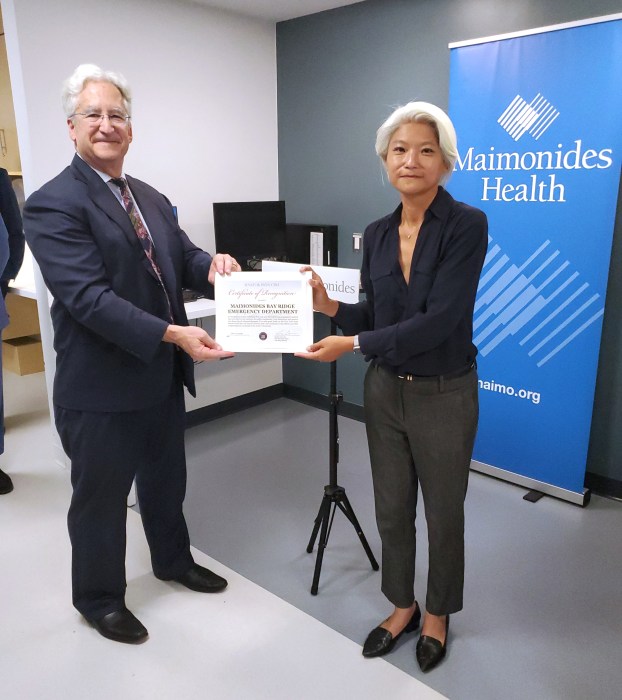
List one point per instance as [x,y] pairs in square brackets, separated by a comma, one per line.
[97,118]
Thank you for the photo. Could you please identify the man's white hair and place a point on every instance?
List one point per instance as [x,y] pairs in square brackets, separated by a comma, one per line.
[86,73]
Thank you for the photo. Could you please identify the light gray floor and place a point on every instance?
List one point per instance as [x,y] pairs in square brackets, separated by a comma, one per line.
[543,597]
[242,644]
[543,615]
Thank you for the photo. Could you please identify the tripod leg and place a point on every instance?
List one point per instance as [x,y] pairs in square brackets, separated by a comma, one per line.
[321,544]
[316,526]
[347,510]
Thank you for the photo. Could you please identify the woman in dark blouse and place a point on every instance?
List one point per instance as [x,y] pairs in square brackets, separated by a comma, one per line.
[421,267]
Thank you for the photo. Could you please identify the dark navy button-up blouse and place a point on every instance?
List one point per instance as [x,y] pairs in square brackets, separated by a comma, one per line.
[426,327]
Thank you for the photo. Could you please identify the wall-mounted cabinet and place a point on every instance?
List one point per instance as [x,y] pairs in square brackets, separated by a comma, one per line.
[9,149]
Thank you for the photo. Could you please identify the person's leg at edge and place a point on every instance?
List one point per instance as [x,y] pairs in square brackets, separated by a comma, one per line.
[6,485]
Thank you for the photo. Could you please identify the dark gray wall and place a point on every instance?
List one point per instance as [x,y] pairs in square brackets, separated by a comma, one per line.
[340,73]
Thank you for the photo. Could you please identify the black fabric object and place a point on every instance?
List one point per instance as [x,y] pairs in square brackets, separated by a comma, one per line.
[9,208]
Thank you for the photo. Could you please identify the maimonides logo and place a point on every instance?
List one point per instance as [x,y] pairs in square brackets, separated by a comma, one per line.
[541,301]
[534,117]
[531,176]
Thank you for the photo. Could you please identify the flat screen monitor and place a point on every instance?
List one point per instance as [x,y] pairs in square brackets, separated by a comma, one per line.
[250,231]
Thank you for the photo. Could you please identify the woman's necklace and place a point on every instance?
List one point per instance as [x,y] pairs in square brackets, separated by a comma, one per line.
[413,230]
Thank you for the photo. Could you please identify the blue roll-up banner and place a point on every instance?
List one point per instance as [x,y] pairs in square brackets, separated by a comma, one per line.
[539,123]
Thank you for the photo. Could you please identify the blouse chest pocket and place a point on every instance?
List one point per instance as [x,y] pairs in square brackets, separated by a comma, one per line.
[421,282]
[383,281]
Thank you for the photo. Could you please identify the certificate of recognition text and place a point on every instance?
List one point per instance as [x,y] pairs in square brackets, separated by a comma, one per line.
[264,312]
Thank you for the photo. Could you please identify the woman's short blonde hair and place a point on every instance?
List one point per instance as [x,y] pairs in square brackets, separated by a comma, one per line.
[426,113]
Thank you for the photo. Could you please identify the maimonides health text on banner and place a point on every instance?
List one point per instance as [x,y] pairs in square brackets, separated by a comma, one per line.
[539,123]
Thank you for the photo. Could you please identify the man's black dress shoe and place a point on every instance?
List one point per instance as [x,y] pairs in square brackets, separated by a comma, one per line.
[380,641]
[200,579]
[121,626]
[430,652]
[6,485]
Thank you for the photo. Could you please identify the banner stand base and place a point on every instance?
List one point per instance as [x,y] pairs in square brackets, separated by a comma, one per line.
[579,499]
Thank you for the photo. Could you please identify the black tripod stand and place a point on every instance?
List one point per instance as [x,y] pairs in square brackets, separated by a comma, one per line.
[334,495]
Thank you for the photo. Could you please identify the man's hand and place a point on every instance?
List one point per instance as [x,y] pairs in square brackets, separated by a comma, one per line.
[196,342]
[329,348]
[321,301]
[222,264]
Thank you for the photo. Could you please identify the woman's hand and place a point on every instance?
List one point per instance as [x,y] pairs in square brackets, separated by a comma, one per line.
[329,348]
[321,301]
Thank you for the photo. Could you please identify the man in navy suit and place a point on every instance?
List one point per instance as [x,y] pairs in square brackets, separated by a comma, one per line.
[115,261]
[6,485]
[12,243]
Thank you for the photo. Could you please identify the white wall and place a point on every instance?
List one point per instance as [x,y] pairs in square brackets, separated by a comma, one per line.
[204,108]
[204,87]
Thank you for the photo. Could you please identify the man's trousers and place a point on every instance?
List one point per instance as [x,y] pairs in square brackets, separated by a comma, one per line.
[108,451]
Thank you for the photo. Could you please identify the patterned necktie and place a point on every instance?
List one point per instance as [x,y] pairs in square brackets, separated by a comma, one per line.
[142,233]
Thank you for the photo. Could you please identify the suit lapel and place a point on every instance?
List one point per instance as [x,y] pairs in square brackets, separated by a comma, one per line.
[104,199]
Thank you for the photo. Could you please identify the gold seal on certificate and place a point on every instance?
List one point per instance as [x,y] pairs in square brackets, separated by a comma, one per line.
[264,311]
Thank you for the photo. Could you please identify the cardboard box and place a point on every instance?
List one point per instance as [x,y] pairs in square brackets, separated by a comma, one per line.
[23,355]
[23,315]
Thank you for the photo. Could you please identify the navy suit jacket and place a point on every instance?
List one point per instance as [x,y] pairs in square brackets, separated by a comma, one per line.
[109,311]
[9,209]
